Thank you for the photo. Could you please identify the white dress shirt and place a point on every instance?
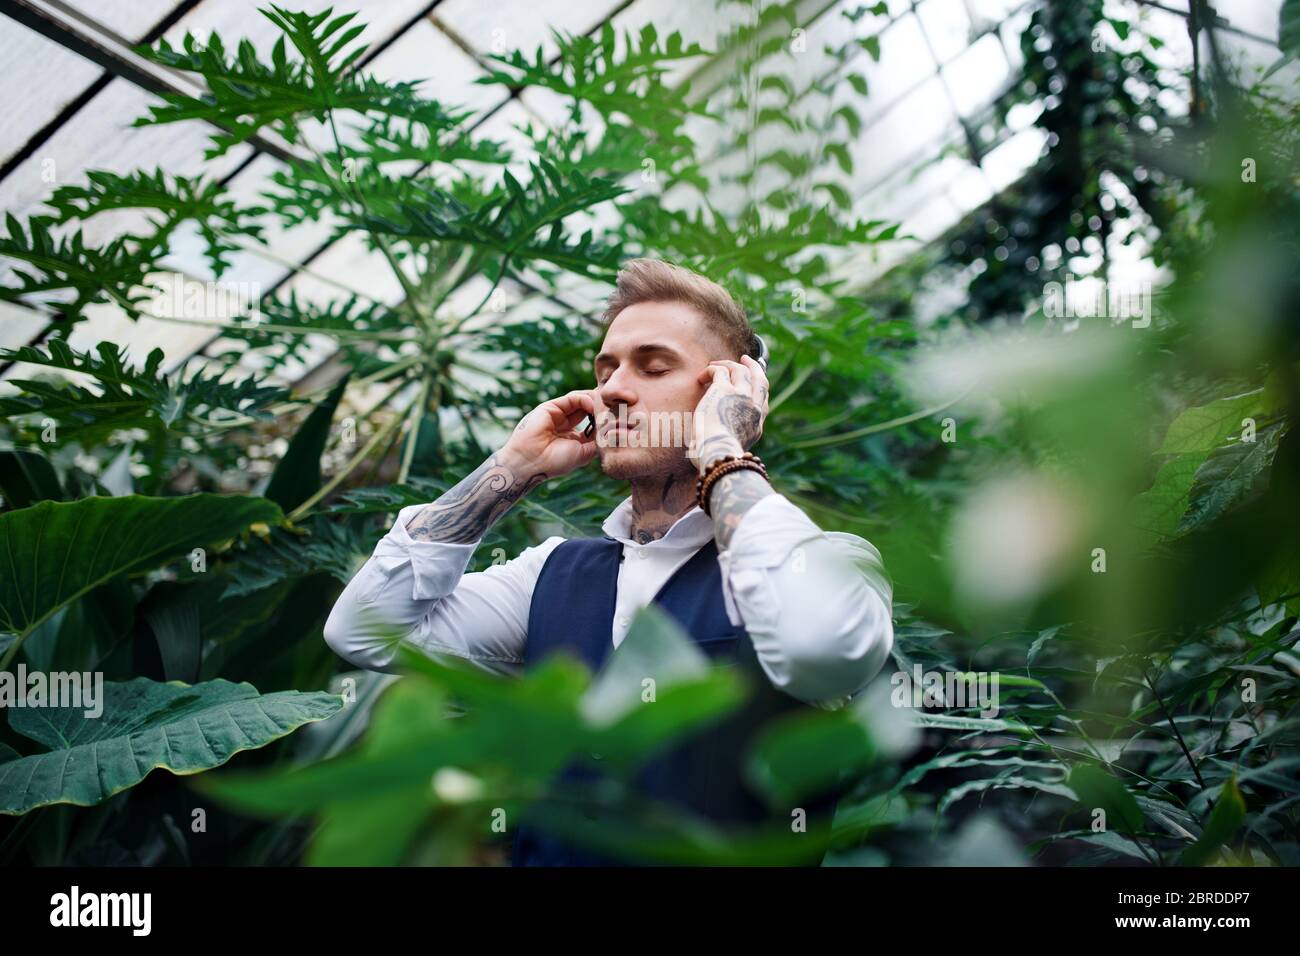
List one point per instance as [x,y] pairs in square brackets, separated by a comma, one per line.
[816,604]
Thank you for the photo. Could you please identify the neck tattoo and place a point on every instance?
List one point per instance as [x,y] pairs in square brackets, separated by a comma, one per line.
[655,508]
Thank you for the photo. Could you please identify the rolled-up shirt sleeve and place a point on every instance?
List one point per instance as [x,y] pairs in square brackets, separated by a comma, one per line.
[419,593]
[818,605]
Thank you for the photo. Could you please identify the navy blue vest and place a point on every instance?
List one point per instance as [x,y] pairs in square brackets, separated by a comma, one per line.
[572,611]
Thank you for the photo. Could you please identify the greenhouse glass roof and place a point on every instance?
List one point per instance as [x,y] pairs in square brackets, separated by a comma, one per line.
[923,157]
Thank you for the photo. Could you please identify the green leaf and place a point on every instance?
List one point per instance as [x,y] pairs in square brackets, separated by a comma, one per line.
[175,625]
[1225,819]
[243,94]
[115,272]
[510,221]
[145,726]
[54,552]
[126,397]
[623,80]
[1288,28]
[654,650]
[1157,512]
[807,753]
[297,476]
[950,722]
[1001,782]
[1203,428]
[293,552]
[872,46]
[1226,478]
[178,198]
[687,690]
[1095,788]
[26,478]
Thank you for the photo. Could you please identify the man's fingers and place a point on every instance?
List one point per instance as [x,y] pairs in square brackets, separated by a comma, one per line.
[741,376]
[759,378]
[567,410]
[720,373]
[579,398]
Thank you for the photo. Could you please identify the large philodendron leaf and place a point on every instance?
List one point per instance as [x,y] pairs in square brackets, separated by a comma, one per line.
[145,725]
[56,551]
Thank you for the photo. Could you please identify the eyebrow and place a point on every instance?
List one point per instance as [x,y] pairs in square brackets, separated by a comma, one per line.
[650,348]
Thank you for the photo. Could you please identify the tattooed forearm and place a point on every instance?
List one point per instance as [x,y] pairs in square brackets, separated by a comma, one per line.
[464,514]
[730,497]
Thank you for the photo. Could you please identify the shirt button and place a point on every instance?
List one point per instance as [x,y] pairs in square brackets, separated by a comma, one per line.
[622,622]
[642,553]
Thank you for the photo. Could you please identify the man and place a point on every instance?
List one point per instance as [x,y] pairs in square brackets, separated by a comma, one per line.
[754,581]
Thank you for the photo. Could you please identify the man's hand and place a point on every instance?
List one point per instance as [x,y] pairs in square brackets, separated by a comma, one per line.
[729,417]
[543,446]
[548,442]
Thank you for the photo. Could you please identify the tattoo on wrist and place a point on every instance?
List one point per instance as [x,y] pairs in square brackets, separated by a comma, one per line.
[730,497]
[466,511]
[715,447]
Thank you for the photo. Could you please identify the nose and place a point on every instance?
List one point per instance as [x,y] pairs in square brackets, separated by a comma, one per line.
[617,390]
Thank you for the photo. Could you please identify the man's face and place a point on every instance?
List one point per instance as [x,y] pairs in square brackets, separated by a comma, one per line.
[650,363]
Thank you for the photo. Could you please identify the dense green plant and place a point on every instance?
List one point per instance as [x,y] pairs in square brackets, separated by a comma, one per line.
[1120,691]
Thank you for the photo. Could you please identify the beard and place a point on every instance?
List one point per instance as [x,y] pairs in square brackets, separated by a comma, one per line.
[630,462]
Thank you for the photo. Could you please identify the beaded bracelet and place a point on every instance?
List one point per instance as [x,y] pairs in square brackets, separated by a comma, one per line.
[725,465]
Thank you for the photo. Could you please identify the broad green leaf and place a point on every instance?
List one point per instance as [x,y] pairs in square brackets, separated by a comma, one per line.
[56,551]
[656,655]
[1225,819]
[655,650]
[1095,788]
[1203,428]
[1158,510]
[1226,477]
[805,754]
[145,726]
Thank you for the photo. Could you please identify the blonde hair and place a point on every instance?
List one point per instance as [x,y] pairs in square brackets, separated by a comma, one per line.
[653,280]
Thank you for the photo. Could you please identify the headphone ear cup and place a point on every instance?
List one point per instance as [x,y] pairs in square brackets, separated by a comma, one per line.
[762,357]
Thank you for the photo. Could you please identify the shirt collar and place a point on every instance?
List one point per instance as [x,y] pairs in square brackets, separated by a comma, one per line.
[689,531]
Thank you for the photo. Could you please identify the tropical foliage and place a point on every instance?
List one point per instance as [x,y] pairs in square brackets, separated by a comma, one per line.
[1099,512]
